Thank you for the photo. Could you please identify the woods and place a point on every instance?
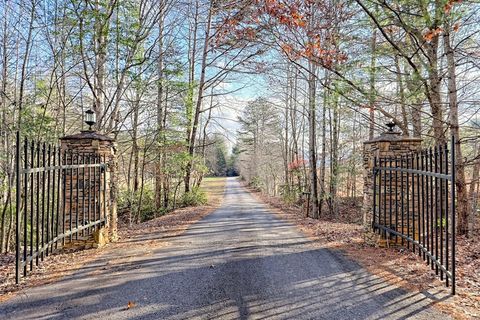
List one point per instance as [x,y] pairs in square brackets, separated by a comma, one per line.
[358,65]
[281,92]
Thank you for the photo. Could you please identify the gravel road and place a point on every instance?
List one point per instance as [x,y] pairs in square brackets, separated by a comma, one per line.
[240,262]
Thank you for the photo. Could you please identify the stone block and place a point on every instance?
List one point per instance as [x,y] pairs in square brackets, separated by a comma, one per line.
[389,144]
[83,182]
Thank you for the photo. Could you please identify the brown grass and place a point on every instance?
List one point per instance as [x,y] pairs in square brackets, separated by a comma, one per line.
[214,187]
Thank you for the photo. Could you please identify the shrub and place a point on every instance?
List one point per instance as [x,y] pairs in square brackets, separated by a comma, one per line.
[289,194]
[129,202]
[195,197]
[256,183]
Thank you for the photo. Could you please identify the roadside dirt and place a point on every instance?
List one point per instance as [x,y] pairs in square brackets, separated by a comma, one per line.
[398,266]
[57,266]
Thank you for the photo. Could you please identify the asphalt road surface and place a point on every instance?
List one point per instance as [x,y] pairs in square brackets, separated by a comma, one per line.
[240,262]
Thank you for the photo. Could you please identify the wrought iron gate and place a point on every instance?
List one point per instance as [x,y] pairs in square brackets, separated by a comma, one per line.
[60,196]
[414,204]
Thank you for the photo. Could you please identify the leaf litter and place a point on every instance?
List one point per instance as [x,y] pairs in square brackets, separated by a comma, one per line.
[396,265]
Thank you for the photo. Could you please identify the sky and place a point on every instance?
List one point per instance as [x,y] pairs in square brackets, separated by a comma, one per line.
[225,117]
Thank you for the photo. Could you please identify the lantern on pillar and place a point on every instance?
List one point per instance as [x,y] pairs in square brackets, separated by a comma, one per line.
[90,118]
[390,125]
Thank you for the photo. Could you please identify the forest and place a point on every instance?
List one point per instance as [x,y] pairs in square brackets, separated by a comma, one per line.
[282,93]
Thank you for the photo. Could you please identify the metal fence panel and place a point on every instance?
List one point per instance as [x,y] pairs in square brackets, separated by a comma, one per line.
[59,195]
[414,202]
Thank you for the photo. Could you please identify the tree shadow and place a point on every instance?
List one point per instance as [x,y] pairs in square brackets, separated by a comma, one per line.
[318,284]
[240,262]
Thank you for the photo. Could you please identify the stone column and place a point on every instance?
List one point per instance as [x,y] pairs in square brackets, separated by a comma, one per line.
[388,144]
[95,144]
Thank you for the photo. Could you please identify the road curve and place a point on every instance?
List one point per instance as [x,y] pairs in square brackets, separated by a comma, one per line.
[240,262]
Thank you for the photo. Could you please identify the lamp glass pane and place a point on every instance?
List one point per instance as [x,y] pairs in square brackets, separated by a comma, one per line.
[90,116]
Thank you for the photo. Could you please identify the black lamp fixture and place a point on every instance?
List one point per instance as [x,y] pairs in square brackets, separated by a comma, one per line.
[90,118]
[390,125]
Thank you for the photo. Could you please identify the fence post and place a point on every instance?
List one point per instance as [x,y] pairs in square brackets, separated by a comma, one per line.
[102,148]
[389,144]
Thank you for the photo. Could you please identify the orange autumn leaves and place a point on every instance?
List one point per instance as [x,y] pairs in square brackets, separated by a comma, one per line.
[430,34]
[287,13]
[314,52]
[297,164]
[295,20]
[293,17]
[296,30]
[449,5]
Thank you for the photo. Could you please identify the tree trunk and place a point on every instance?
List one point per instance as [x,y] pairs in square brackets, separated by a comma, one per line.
[204,135]
[463,207]
[401,93]
[323,159]
[11,225]
[135,149]
[293,125]
[312,138]
[101,26]
[140,198]
[201,86]
[3,233]
[415,109]
[25,63]
[189,100]
[473,192]
[434,92]
[159,174]
[371,96]
[334,159]
[3,123]
[286,144]
[166,183]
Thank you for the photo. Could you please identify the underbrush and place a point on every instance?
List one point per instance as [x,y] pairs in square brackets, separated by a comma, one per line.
[195,197]
[256,184]
[349,208]
[290,195]
[136,207]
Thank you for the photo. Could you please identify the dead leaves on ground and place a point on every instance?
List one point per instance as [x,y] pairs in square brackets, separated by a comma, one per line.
[130,305]
[52,268]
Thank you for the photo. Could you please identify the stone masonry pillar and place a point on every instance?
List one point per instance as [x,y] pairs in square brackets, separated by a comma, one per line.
[388,144]
[94,144]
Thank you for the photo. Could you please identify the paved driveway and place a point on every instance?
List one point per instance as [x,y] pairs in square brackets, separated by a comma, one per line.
[240,262]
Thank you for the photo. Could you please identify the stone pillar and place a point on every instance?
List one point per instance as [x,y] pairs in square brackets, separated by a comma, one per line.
[95,144]
[388,144]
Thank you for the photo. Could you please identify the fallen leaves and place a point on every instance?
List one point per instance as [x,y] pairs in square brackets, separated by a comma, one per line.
[395,265]
[54,267]
[130,305]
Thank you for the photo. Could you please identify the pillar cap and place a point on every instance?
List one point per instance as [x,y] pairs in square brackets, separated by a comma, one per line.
[87,134]
[393,136]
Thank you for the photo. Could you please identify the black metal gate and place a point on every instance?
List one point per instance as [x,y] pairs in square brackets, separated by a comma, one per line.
[60,196]
[414,205]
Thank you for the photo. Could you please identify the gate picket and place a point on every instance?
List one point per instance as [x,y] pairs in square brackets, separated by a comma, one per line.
[49,180]
[426,220]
